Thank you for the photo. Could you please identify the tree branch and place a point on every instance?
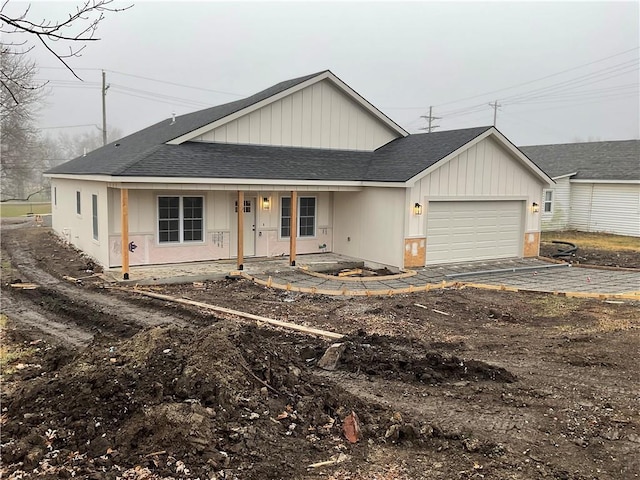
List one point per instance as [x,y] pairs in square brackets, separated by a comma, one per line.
[23,199]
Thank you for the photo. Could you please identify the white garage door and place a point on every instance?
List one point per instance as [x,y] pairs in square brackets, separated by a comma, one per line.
[467,231]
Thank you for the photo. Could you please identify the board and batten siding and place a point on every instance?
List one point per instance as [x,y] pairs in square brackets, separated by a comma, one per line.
[604,207]
[485,171]
[318,116]
[558,218]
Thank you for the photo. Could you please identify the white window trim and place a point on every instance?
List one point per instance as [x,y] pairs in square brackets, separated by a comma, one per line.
[95,234]
[315,218]
[181,241]
[545,201]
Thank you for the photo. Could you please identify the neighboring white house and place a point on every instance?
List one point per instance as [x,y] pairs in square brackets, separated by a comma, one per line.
[597,186]
[314,167]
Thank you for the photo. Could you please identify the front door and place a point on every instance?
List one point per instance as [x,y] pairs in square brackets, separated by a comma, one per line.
[249,243]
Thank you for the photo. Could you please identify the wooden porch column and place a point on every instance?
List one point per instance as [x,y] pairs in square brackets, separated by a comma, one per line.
[240,230]
[124,227]
[294,228]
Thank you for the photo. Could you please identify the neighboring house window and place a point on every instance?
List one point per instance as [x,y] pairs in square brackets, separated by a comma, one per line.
[94,215]
[548,201]
[55,196]
[180,219]
[78,205]
[306,217]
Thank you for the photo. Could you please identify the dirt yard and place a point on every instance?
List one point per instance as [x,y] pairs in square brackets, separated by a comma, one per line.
[449,384]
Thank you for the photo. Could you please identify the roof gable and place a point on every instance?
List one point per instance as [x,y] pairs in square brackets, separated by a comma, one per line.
[115,157]
[206,131]
[405,158]
[424,153]
[614,160]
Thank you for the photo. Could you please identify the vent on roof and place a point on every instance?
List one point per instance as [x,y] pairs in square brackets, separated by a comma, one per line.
[173,118]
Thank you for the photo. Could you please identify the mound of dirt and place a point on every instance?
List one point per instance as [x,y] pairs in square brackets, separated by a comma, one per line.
[596,256]
[223,401]
[389,358]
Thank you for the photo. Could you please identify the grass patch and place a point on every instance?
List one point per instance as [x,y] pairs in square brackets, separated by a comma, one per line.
[554,306]
[602,241]
[24,208]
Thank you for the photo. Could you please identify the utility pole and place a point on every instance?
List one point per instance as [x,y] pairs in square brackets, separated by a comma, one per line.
[105,87]
[430,119]
[495,106]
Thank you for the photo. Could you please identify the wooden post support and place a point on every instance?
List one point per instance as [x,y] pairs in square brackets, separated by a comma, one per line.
[124,227]
[240,230]
[294,228]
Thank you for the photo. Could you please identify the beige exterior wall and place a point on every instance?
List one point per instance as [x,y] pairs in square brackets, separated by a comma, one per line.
[318,116]
[369,225]
[485,171]
[220,239]
[558,218]
[78,229]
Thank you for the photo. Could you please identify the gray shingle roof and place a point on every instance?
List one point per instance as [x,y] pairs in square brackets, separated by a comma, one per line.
[224,160]
[398,161]
[406,157]
[615,160]
[146,154]
[113,158]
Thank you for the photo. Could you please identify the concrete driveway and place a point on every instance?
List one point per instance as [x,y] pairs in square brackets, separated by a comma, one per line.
[522,274]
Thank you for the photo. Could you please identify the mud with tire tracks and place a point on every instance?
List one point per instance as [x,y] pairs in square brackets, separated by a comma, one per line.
[450,384]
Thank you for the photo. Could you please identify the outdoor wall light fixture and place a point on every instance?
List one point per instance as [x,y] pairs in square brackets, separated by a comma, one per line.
[417,209]
[266,203]
[535,208]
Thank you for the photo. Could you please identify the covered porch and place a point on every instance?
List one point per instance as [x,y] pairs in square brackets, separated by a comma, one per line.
[174,224]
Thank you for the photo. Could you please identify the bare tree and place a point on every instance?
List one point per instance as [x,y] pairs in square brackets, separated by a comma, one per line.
[20,147]
[62,38]
[70,146]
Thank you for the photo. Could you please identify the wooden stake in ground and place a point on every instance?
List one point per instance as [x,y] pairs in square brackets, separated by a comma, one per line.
[215,308]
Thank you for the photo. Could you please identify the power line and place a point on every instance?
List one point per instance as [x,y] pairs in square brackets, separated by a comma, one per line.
[541,78]
[144,97]
[153,95]
[150,79]
[176,84]
[570,83]
[71,126]
[587,79]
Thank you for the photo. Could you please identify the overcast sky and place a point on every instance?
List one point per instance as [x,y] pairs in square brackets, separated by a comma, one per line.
[561,71]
